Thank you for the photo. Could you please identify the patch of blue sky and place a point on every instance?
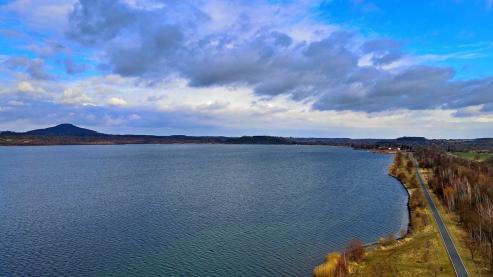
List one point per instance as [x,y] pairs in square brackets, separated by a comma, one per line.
[20,42]
[4,2]
[450,28]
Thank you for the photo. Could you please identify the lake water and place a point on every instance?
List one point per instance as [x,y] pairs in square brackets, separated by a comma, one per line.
[189,210]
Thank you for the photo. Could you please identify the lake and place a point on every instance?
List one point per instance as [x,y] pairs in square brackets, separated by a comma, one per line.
[189,210]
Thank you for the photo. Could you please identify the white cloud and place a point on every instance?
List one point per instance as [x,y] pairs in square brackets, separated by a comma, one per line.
[75,96]
[114,101]
[239,111]
[234,100]
[42,14]
[27,87]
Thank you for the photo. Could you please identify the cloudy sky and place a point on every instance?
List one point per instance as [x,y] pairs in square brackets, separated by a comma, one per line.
[333,68]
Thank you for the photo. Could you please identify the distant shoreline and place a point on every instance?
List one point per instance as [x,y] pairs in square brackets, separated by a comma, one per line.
[68,134]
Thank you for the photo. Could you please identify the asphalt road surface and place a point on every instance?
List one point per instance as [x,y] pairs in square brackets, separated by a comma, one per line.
[459,267]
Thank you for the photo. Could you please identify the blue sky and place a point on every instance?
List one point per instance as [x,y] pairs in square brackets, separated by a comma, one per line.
[355,68]
[461,28]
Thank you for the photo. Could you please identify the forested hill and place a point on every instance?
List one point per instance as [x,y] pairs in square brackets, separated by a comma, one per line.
[65,134]
[64,130]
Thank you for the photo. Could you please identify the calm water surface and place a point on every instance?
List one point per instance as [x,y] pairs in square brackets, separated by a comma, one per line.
[189,210]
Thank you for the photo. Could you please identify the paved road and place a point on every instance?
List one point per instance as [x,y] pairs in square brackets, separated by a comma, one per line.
[459,267]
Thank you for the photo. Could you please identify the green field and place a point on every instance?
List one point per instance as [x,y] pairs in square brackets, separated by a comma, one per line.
[475,156]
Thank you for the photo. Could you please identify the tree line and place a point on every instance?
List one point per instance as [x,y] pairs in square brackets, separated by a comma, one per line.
[466,188]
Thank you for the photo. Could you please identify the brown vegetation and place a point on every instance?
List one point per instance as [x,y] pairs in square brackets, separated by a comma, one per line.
[355,251]
[333,266]
[406,175]
[420,252]
[337,265]
[466,188]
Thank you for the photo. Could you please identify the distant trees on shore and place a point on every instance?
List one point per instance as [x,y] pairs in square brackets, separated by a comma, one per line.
[403,169]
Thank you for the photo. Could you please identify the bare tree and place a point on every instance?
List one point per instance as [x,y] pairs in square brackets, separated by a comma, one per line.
[355,251]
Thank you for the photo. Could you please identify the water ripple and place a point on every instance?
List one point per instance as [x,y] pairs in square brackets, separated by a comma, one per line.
[189,210]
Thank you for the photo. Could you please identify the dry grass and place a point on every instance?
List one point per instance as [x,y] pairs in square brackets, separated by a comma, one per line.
[328,268]
[421,253]
[478,267]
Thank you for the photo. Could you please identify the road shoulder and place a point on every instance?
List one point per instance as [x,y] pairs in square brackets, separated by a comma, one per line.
[478,267]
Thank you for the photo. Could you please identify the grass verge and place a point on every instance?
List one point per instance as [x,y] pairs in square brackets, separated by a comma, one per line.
[421,252]
[478,266]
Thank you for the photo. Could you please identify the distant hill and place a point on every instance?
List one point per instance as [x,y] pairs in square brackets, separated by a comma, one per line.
[259,140]
[64,130]
[412,139]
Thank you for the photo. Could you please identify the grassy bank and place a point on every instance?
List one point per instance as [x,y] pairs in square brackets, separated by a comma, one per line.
[474,156]
[420,253]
